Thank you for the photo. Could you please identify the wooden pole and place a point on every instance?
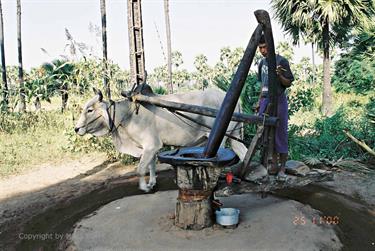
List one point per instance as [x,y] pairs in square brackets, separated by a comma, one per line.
[231,98]
[206,111]
[22,104]
[136,45]
[274,85]
[104,42]
[3,65]
[169,44]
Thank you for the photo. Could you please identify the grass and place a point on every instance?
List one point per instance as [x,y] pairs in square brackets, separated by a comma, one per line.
[22,151]
[31,139]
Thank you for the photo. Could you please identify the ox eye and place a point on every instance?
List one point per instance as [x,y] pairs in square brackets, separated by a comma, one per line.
[90,110]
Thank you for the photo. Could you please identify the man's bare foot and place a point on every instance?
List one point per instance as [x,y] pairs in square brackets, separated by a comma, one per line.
[273,170]
[281,174]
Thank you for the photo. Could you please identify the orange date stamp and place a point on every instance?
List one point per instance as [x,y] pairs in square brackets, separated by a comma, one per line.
[317,220]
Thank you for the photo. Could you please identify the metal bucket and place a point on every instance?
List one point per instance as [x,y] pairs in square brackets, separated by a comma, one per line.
[227,216]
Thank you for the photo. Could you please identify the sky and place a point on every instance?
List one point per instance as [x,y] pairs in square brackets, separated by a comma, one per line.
[197,27]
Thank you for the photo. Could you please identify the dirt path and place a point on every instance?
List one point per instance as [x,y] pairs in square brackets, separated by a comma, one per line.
[47,175]
[22,197]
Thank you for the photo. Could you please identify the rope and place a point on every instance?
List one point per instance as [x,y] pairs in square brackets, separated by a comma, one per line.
[178,115]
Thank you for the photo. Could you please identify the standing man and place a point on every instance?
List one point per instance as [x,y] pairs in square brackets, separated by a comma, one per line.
[286,78]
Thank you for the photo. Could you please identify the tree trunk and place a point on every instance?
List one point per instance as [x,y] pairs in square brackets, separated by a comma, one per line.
[22,104]
[64,96]
[3,65]
[37,104]
[104,40]
[313,63]
[327,90]
[169,49]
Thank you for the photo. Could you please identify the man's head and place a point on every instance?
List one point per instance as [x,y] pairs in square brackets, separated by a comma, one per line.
[263,46]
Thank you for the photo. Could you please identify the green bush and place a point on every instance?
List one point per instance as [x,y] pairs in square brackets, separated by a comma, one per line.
[354,74]
[300,96]
[326,139]
[160,90]
[22,122]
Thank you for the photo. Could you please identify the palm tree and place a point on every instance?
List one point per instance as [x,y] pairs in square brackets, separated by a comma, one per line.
[169,49]
[325,22]
[22,103]
[3,66]
[104,39]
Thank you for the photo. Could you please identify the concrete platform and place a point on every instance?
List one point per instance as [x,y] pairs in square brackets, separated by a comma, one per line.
[145,222]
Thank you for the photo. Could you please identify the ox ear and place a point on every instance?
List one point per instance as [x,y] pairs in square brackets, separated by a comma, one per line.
[98,92]
[100,95]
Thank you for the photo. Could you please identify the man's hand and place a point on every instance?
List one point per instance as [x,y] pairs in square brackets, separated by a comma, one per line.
[279,70]
[256,107]
[284,81]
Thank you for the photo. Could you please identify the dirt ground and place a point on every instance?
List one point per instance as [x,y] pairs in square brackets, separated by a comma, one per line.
[265,224]
[23,198]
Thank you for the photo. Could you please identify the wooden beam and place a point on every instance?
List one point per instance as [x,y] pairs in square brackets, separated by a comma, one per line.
[251,151]
[359,142]
[202,110]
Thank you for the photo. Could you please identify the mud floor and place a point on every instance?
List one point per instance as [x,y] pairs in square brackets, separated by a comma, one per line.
[143,223]
[45,218]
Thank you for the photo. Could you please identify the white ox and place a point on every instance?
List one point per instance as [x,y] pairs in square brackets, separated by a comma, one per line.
[144,134]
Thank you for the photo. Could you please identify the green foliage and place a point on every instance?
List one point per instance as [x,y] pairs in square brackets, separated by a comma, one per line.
[306,19]
[355,70]
[12,123]
[285,50]
[160,90]
[354,74]
[300,96]
[180,77]
[202,75]
[325,138]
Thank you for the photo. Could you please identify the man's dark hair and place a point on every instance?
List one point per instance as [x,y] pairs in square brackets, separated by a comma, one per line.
[262,40]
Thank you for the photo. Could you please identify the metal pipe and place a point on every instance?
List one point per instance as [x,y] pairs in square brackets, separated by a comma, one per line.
[231,98]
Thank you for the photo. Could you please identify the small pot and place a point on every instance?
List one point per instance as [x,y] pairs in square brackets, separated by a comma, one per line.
[227,216]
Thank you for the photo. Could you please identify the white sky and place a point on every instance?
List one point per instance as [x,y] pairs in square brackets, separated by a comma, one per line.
[196,26]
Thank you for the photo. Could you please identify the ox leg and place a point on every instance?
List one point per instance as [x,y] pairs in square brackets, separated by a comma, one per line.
[152,181]
[145,161]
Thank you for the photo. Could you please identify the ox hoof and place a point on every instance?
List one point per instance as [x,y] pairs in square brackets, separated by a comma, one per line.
[151,185]
[144,188]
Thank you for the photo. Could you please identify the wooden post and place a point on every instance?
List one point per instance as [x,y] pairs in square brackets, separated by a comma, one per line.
[231,98]
[104,43]
[3,65]
[136,47]
[194,202]
[274,85]
[202,110]
[196,179]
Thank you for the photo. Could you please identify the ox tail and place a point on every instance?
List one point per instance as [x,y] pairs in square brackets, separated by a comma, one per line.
[241,124]
[239,148]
